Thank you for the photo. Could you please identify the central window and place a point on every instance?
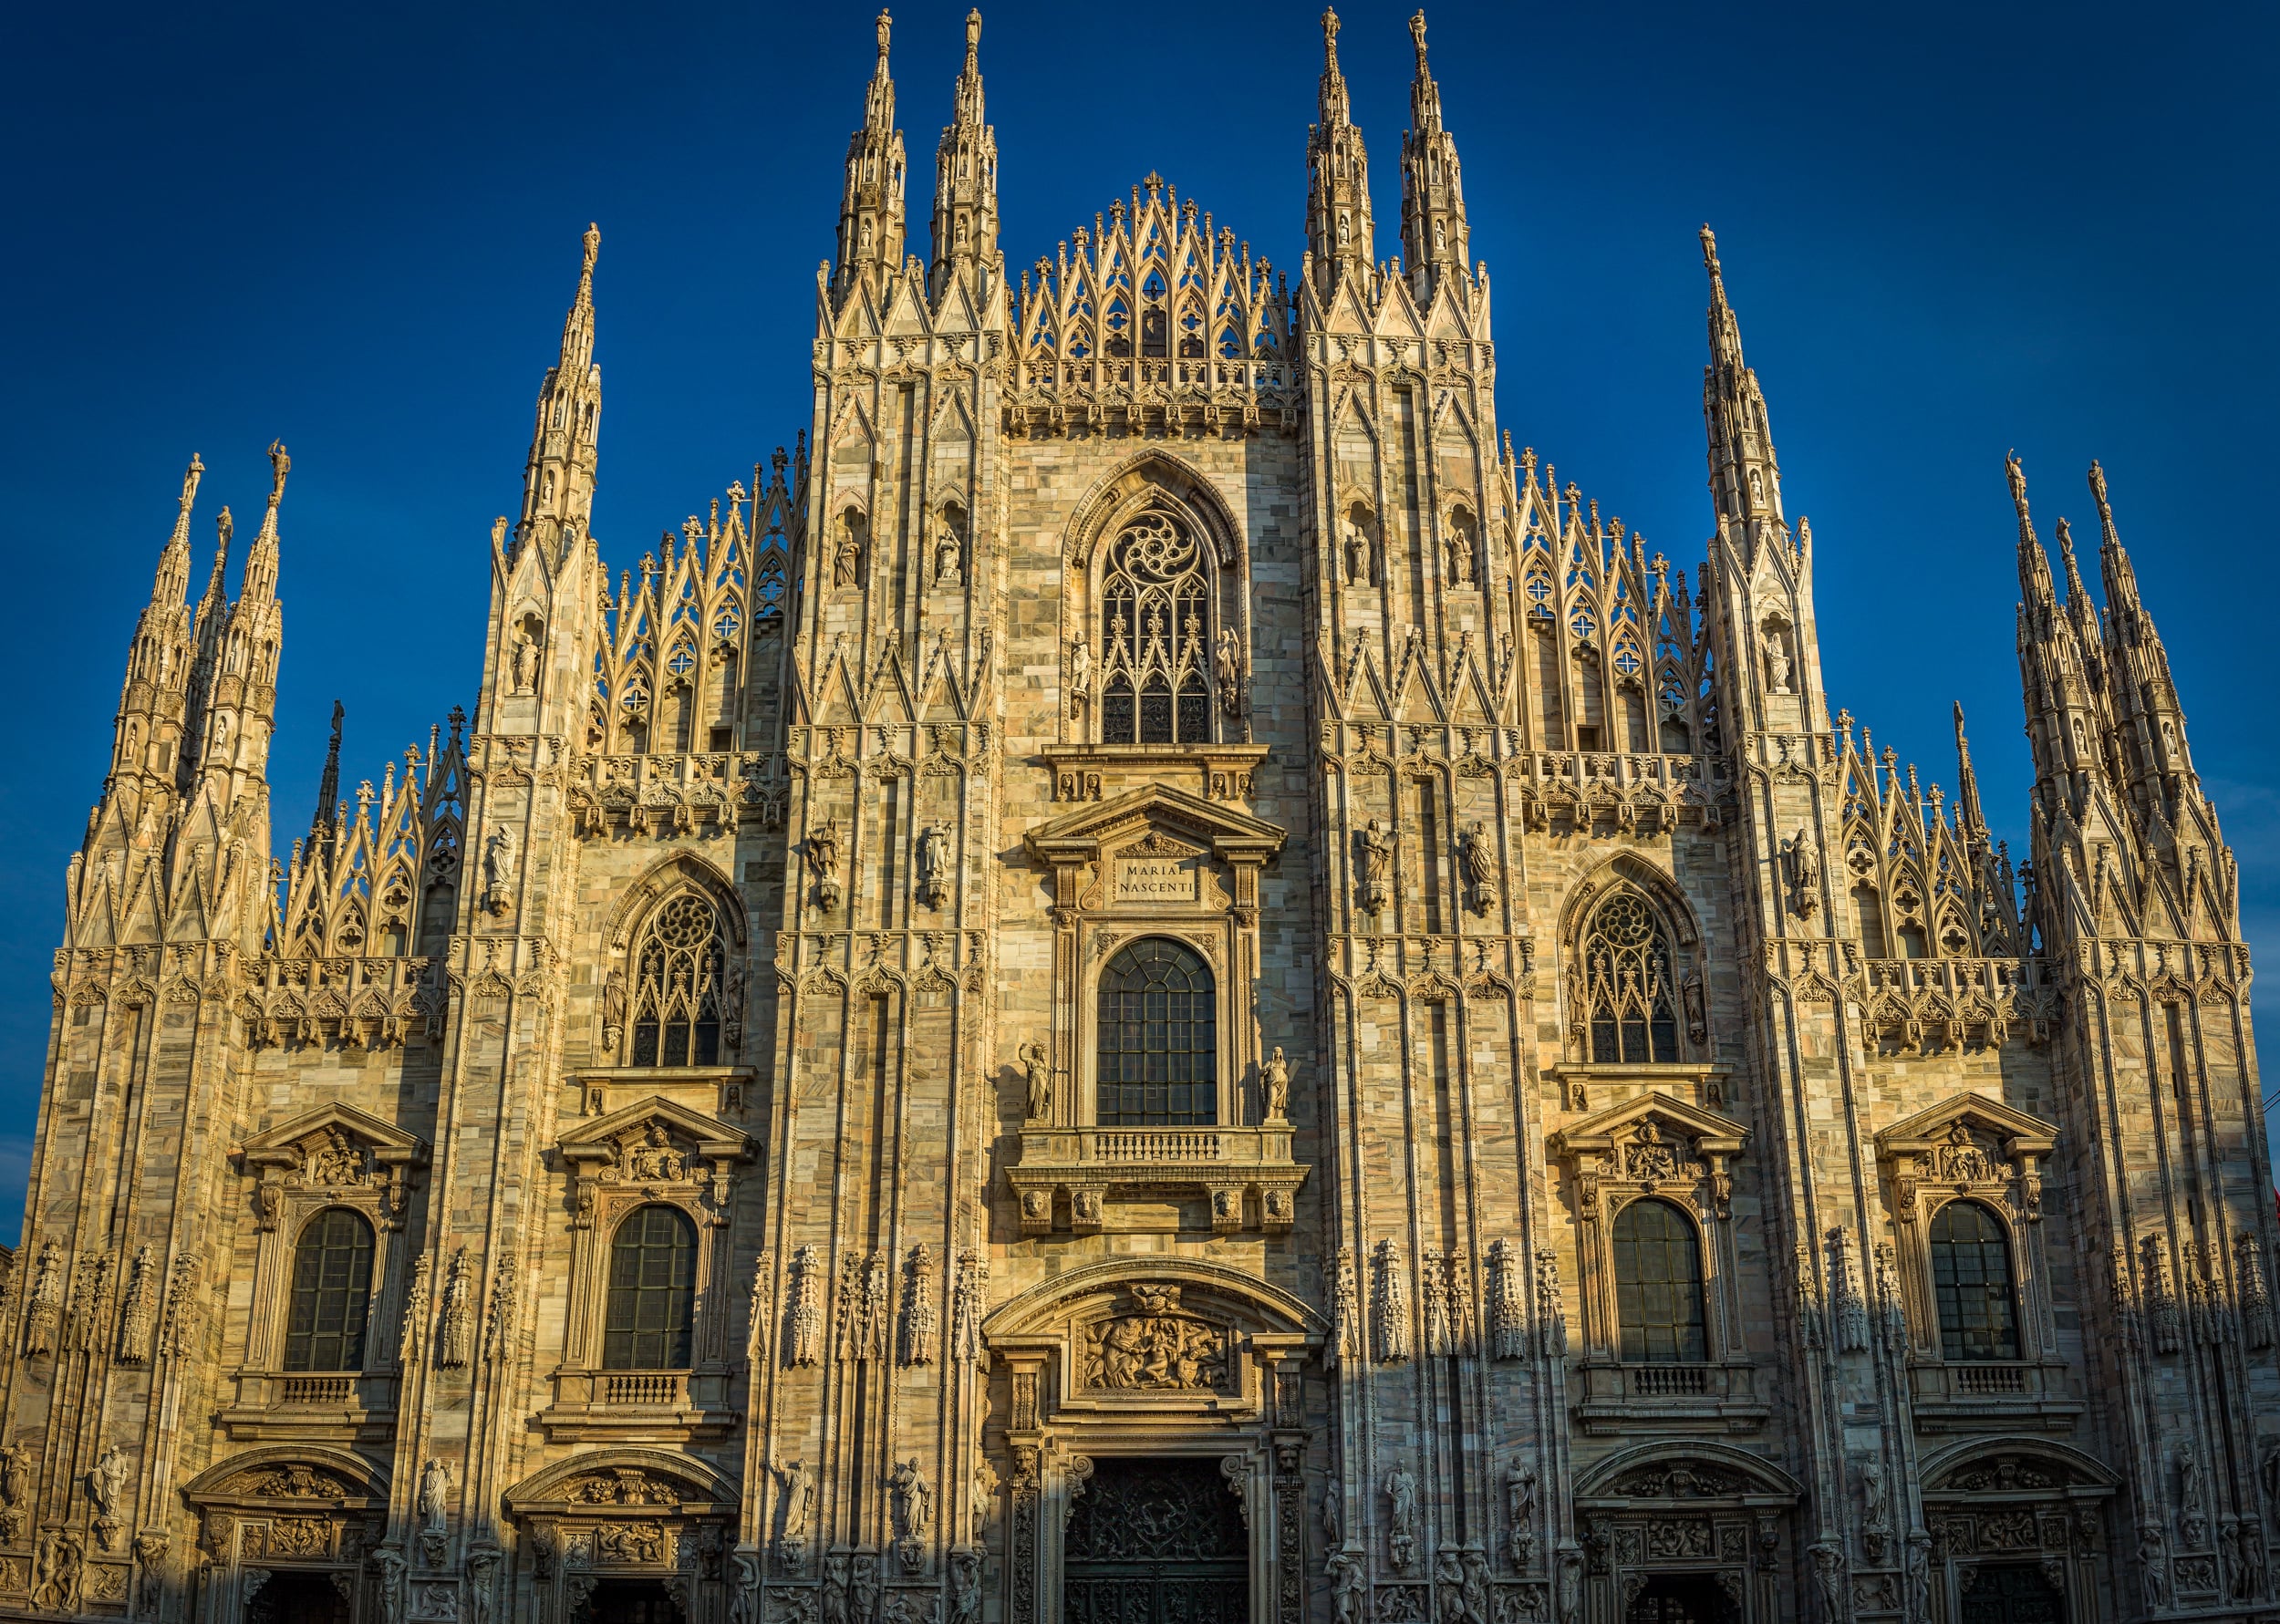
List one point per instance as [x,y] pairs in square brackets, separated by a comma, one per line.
[1159,1039]
[332,1286]
[1155,635]
[1971,1282]
[652,1291]
[1658,1286]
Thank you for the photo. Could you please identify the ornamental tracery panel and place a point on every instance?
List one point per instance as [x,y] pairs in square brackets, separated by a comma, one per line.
[1158,679]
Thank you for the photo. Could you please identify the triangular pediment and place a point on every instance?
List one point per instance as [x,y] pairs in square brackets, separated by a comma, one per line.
[1080,836]
[285,1144]
[2015,1129]
[601,1138]
[1602,1131]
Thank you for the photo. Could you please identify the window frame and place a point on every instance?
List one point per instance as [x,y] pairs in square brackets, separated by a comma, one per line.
[357,1300]
[686,1253]
[1953,1338]
[1689,1232]
[1212,996]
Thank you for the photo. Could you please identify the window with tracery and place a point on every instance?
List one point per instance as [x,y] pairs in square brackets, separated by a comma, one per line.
[652,1291]
[1971,1282]
[332,1287]
[677,968]
[1658,1285]
[1630,992]
[1155,635]
[1158,1035]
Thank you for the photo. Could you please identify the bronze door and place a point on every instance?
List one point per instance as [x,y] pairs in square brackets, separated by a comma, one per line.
[1155,1541]
[1679,1598]
[2014,1593]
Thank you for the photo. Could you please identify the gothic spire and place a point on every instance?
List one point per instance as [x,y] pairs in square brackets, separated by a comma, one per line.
[1434,234]
[871,205]
[1338,179]
[261,560]
[558,477]
[1744,477]
[965,177]
[1974,821]
[2035,581]
[172,579]
[324,825]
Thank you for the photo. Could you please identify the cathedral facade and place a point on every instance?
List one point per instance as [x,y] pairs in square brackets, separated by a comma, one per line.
[1154,983]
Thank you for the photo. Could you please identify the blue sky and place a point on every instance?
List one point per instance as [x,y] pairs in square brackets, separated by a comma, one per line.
[1948,230]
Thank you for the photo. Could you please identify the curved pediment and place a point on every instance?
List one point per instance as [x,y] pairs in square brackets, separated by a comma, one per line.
[602,1481]
[2027,1467]
[1101,1291]
[297,1474]
[1686,1472]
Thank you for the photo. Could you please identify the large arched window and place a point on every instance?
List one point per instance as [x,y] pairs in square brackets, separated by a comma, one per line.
[1156,635]
[331,1289]
[1658,1285]
[678,967]
[652,1291]
[1971,1282]
[1159,1039]
[1630,996]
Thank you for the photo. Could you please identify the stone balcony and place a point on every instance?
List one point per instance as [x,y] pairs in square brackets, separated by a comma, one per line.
[274,1404]
[1066,1176]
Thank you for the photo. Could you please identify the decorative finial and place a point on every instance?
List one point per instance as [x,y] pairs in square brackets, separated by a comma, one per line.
[1155,183]
[2065,540]
[2098,493]
[196,468]
[973,37]
[280,465]
[1329,38]
[1417,32]
[593,248]
[224,527]
[1710,250]
[887,26]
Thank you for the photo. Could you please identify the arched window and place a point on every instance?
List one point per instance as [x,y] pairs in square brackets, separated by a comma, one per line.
[678,968]
[331,1289]
[1971,1282]
[1658,1285]
[1629,991]
[1155,635]
[652,1291]
[1159,1039]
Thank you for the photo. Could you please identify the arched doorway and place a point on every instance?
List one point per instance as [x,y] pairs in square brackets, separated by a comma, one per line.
[287,1596]
[633,1602]
[1152,1540]
[2012,1593]
[1679,1598]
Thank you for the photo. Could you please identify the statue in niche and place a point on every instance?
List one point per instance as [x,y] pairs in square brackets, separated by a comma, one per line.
[1476,863]
[1776,662]
[1805,873]
[498,869]
[1226,672]
[1080,674]
[847,565]
[913,1501]
[525,662]
[1357,552]
[1401,1523]
[946,554]
[933,864]
[1274,1084]
[822,858]
[1460,559]
[1037,1072]
[1373,857]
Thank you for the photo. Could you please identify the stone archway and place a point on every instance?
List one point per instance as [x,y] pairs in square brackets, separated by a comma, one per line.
[1686,1533]
[282,1528]
[627,1536]
[1996,1507]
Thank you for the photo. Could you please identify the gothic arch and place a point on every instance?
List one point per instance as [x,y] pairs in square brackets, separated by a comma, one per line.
[681,868]
[1661,892]
[1145,476]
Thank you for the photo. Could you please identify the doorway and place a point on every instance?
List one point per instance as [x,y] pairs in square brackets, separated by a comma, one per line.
[2012,1593]
[293,1597]
[1679,1598]
[633,1602]
[1155,1540]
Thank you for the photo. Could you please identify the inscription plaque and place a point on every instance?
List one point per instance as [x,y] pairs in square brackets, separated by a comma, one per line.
[1158,879]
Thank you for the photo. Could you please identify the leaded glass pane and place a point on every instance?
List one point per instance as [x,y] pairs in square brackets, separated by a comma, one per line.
[331,1289]
[652,1291]
[1658,1285]
[1971,1281]
[1159,1039]
[1629,990]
